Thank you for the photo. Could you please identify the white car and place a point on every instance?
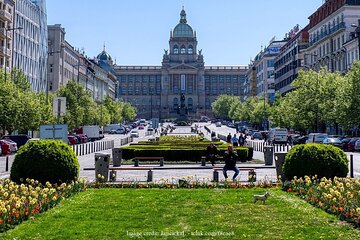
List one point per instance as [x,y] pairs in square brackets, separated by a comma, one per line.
[134,133]
[218,124]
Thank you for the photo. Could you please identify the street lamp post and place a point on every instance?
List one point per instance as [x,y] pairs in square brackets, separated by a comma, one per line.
[151,103]
[5,43]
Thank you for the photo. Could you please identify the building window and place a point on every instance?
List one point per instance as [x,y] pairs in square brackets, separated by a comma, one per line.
[175,103]
[182,50]
[190,49]
[176,49]
[190,103]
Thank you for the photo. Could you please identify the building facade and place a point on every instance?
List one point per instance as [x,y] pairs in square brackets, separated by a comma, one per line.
[329,29]
[290,59]
[7,8]
[156,90]
[263,66]
[65,63]
[30,47]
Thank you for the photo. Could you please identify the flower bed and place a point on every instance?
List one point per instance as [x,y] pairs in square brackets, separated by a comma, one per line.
[340,196]
[21,202]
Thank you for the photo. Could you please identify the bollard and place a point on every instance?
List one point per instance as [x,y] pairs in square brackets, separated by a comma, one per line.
[161,162]
[7,164]
[216,176]
[150,176]
[117,156]
[112,176]
[136,162]
[203,161]
[351,166]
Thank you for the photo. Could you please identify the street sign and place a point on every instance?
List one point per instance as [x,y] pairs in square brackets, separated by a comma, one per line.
[59,106]
[54,131]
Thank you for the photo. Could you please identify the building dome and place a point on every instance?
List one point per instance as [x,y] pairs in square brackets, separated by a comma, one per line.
[104,56]
[183,29]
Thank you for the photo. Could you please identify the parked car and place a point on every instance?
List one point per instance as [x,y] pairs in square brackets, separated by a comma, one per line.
[300,140]
[256,135]
[83,138]
[333,141]
[5,147]
[20,139]
[218,124]
[134,133]
[112,131]
[316,137]
[344,143]
[120,131]
[351,144]
[150,130]
[13,145]
[141,127]
[72,140]
[357,145]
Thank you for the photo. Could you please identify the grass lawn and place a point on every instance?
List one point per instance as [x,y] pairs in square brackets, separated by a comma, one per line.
[190,213]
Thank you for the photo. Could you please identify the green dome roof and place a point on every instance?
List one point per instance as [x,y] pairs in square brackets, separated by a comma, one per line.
[183,29]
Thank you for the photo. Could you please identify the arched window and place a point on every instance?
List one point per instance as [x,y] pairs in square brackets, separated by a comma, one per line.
[183,49]
[176,49]
[190,103]
[190,49]
[176,103]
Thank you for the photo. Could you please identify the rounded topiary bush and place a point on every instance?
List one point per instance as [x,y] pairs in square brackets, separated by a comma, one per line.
[315,159]
[45,160]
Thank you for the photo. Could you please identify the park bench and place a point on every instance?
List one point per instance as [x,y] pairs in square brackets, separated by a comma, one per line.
[203,159]
[114,169]
[137,160]
[217,169]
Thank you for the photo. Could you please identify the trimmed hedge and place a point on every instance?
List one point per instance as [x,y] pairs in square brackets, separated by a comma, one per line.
[173,154]
[45,160]
[315,159]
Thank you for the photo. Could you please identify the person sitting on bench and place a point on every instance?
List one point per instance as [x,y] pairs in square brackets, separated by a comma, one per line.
[230,158]
[211,152]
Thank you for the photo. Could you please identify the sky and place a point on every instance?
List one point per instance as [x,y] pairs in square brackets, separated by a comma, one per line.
[136,32]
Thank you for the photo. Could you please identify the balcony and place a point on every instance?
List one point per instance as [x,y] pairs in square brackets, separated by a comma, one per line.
[3,34]
[5,52]
[327,33]
[5,15]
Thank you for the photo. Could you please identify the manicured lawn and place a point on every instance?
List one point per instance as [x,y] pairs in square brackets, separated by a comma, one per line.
[224,213]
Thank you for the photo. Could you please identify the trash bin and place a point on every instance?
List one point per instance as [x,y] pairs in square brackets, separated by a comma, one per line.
[269,155]
[117,156]
[279,162]
[102,165]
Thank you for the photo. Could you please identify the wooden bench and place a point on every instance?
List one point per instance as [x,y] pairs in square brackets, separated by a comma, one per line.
[217,169]
[137,159]
[113,170]
[203,159]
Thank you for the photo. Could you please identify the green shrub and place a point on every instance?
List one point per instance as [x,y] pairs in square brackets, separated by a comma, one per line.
[45,160]
[315,159]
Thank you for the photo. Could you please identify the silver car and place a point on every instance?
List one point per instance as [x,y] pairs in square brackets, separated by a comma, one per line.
[357,145]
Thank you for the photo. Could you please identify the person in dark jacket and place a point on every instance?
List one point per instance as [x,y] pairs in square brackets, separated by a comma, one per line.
[211,152]
[230,158]
[228,138]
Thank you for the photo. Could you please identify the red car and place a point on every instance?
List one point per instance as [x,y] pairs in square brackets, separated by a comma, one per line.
[141,127]
[13,145]
[72,140]
[83,138]
[5,147]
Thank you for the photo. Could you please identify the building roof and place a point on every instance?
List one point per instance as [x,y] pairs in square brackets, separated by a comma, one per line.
[183,29]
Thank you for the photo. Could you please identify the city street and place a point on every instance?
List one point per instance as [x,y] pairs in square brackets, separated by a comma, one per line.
[88,161]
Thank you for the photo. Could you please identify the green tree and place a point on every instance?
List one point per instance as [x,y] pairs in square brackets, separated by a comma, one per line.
[128,111]
[221,106]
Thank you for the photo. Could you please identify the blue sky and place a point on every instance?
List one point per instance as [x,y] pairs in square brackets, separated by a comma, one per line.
[136,32]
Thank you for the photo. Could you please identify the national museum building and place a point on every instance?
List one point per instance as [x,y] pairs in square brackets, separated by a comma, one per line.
[156,90]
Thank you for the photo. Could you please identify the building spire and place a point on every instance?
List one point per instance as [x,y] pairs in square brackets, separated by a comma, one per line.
[104,48]
[183,16]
